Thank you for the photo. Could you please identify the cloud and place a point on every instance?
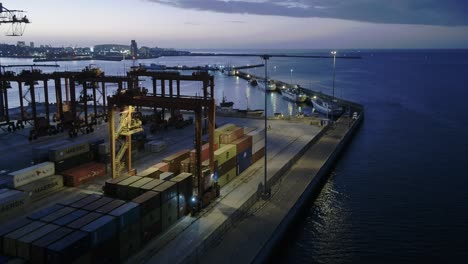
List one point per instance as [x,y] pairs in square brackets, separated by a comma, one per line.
[425,12]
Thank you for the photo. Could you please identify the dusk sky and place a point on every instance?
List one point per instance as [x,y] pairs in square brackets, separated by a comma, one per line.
[301,24]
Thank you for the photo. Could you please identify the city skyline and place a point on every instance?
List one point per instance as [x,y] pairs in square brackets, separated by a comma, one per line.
[269,24]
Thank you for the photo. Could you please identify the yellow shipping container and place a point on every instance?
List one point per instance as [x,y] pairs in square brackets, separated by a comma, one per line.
[226,178]
[220,130]
[225,153]
[222,181]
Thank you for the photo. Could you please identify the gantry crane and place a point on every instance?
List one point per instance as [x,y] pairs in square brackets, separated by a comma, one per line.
[16,18]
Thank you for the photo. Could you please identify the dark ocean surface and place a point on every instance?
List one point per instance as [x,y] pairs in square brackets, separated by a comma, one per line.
[399,193]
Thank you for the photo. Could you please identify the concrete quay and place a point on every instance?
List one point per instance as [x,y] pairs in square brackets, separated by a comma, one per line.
[191,237]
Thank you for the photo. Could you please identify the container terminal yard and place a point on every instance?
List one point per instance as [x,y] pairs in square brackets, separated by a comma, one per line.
[86,180]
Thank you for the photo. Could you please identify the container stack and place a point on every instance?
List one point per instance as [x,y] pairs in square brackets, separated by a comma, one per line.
[174,160]
[155,146]
[83,173]
[225,158]
[258,144]
[70,155]
[86,228]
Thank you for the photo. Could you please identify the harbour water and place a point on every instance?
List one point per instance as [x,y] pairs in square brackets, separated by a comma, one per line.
[399,192]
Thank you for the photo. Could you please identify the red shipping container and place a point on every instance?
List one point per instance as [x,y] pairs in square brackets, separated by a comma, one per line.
[84,173]
[243,144]
[205,155]
[229,136]
[257,156]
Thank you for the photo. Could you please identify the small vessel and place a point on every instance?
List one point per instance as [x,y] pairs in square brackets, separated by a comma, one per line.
[294,95]
[225,105]
[325,107]
[154,67]
[253,82]
[229,71]
[225,108]
[271,86]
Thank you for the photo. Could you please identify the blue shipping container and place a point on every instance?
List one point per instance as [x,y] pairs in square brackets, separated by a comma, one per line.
[68,248]
[127,214]
[101,230]
[244,160]
[65,220]
[46,211]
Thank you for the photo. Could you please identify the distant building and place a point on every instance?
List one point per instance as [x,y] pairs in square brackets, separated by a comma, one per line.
[21,44]
[31,44]
[134,49]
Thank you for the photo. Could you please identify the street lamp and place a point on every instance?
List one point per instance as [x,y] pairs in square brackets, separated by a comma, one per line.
[334,71]
[291,75]
[266,191]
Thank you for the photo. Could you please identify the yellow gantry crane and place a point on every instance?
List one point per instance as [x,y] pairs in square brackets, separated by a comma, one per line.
[128,125]
[16,18]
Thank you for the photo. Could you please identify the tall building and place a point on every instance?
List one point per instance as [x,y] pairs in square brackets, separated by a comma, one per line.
[134,49]
[21,44]
[31,44]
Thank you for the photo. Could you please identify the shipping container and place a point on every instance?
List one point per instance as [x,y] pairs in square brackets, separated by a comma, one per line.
[155,146]
[148,201]
[9,240]
[46,211]
[23,244]
[84,220]
[243,144]
[98,203]
[185,190]
[110,187]
[69,248]
[169,213]
[247,130]
[174,160]
[167,190]
[244,160]
[73,162]
[150,172]
[221,129]
[85,201]
[103,149]
[101,230]
[43,187]
[150,185]
[14,200]
[106,252]
[41,154]
[128,219]
[227,177]
[227,166]
[161,166]
[110,206]
[57,214]
[31,174]
[257,135]
[205,152]
[71,217]
[134,189]
[122,186]
[11,227]
[94,146]
[222,181]
[185,165]
[166,175]
[73,199]
[258,155]
[258,146]
[84,173]
[229,136]
[69,150]
[39,247]
[225,153]
[151,225]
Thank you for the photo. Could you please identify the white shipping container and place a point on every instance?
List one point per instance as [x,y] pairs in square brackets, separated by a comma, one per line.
[31,174]
[68,151]
[104,149]
[258,146]
[257,135]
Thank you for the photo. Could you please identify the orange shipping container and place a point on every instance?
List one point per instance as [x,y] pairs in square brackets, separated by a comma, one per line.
[174,160]
[84,173]
[162,166]
[229,136]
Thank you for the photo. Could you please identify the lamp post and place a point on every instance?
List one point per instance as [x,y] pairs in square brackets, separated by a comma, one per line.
[266,191]
[333,92]
[291,76]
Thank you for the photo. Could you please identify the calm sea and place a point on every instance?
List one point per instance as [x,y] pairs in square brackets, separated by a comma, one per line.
[399,193]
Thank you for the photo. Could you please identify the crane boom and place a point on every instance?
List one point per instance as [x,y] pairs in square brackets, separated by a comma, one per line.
[16,18]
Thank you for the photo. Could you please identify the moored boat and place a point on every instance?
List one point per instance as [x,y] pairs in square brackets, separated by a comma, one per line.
[325,107]
[271,86]
[294,95]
